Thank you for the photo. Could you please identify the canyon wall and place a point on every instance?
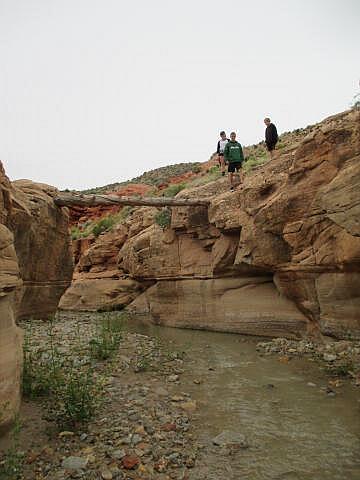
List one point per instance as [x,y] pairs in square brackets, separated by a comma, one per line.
[36,268]
[278,256]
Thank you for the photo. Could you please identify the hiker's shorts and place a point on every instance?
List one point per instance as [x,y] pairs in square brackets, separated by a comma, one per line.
[234,166]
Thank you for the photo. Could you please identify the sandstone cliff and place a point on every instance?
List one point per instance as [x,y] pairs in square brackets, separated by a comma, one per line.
[36,268]
[99,281]
[279,256]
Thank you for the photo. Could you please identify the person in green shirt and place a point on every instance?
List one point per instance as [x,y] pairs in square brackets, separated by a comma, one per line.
[234,157]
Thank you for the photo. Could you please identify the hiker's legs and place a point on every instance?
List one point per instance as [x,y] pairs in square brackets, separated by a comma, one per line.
[222,164]
[231,178]
[271,149]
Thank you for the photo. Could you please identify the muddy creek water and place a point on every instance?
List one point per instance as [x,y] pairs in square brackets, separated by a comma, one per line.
[295,431]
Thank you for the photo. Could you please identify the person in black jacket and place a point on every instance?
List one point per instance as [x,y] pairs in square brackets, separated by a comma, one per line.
[271,136]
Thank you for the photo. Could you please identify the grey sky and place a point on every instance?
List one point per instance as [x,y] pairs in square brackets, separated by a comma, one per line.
[94,92]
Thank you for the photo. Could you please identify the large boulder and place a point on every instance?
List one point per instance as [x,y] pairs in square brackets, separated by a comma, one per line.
[100,294]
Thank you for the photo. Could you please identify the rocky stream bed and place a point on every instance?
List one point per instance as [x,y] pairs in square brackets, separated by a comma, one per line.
[181,404]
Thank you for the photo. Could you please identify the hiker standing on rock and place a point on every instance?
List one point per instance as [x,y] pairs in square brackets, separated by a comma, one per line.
[220,151]
[234,157]
[271,136]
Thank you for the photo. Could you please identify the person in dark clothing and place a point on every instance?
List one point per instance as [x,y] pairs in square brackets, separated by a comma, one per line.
[220,151]
[271,136]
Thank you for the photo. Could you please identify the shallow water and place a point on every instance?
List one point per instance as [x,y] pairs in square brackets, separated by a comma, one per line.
[295,431]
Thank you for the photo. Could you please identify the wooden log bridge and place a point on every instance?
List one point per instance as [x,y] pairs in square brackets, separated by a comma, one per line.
[79,200]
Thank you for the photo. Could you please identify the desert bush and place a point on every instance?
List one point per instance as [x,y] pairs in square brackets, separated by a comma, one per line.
[42,368]
[212,174]
[124,213]
[214,170]
[163,217]
[72,391]
[76,233]
[196,168]
[173,190]
[103,225]
[107,338]
[254,161]
[11,465]
[76,400]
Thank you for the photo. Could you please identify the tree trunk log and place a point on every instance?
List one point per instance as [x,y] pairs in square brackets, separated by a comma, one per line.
[73,199]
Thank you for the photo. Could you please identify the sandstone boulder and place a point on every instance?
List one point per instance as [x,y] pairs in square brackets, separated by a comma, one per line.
[100,294]
[10,334]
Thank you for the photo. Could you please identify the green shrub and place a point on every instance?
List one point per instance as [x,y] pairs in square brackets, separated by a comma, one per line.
[196,168]
[213,170]
[76,400]
[103,225]
[144,358]
[163,217]
[123,214]
[75,233]
[73,392]
[106,342]
[173,190]
[42,368]
[254,161]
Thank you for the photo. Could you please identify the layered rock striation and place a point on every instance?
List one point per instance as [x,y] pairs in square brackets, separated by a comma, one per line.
[99,280]
[36,268]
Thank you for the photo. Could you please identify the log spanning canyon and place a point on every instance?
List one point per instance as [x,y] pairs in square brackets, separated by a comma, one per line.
[72,200]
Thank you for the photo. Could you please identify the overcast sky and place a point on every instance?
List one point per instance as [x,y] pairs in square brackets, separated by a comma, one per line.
[94,92]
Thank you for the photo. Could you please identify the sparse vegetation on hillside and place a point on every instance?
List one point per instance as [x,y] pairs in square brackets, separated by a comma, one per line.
[173,190]
[211,175]
[254,160]
[155,177]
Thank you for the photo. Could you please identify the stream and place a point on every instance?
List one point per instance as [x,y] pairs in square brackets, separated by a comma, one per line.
[295,430]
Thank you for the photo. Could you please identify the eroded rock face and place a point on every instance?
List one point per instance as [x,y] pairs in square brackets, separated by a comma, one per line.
[99,281]
[245,305]
[36,268]
[42,244]
[10,334]
[296,221]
